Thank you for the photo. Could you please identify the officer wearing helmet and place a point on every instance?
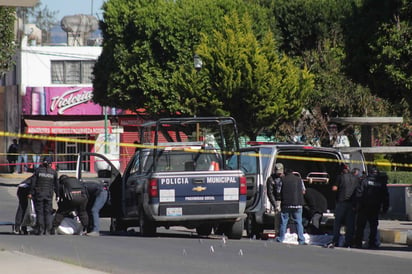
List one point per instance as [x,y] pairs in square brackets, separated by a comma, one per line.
[42,188]
[372,199]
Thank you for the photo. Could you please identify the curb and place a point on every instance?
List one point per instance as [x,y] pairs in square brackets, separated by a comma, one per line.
[16,175]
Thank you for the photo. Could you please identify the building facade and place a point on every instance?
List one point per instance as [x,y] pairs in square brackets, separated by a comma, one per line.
[48,100]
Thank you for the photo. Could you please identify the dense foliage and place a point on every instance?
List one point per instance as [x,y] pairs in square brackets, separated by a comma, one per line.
[7,48]
[253,81]
[147,62]
[280,67]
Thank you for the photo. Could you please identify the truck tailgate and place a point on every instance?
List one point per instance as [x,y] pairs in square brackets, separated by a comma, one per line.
[199,193]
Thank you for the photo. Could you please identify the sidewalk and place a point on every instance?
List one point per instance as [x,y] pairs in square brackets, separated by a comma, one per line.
[17,262]
[395,232]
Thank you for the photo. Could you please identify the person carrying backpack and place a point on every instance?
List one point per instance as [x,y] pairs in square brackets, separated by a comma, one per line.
[72,197]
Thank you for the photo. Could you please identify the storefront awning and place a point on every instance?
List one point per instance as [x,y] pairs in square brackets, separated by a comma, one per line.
[66,127]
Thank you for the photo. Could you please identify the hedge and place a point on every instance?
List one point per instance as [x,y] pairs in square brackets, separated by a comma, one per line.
[399,177]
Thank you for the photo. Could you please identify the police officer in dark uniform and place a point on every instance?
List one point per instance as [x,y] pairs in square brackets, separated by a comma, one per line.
[42,188]
[72,197]
[373,198]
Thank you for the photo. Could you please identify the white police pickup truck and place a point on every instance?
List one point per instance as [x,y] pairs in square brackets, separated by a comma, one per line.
[179,177]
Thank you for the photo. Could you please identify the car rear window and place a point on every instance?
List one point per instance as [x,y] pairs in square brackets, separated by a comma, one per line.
[307,163]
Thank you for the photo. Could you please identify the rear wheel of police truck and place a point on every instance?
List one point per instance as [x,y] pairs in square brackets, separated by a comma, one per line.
[233,230]
[253,229]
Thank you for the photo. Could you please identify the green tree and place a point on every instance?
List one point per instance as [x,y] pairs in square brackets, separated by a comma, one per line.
[377,46]
[147,43]
[305,24]
[391,67]
[252,80]
[7,45]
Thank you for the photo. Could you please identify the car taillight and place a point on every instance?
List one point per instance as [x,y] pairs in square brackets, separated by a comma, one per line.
[242,186]
[153,189]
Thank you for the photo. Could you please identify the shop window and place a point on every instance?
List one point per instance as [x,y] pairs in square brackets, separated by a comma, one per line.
[72,72]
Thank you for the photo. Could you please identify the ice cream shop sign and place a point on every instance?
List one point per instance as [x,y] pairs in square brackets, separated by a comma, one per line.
[60,101]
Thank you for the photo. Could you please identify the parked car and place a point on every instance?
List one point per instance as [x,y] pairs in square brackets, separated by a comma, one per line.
[317,166]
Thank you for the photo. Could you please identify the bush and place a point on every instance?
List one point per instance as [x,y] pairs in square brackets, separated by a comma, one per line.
[381,162]
[399,177]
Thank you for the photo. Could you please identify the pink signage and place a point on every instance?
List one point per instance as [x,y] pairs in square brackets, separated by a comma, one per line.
[61,101]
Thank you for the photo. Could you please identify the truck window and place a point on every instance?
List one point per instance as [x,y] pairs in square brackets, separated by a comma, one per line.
[177,160]
[248,162]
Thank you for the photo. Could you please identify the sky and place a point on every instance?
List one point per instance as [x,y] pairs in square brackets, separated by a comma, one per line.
[72,7]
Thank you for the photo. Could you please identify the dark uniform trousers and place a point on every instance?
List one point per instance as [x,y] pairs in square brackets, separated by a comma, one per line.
[66,206]
[367,215]
[43,204]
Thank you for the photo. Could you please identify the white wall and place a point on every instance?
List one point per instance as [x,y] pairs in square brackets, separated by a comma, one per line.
[35,62]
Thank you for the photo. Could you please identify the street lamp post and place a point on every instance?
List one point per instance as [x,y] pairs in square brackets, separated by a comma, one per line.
[106,150]
[198,63]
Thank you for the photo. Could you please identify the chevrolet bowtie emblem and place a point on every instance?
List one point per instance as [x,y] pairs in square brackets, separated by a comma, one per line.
[199,188]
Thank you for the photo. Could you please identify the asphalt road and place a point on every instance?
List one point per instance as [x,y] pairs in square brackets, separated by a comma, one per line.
[182,251]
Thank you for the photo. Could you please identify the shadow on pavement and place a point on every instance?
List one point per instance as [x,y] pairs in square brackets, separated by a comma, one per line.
[6,184]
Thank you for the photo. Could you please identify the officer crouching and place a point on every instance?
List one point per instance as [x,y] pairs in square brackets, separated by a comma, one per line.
[72,197]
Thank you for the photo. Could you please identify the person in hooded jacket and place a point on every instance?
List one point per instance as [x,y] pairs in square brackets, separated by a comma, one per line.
[372,198]
[41,191]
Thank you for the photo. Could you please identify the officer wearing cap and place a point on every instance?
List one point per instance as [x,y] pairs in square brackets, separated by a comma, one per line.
[372,199]
[273,185]
[42,188]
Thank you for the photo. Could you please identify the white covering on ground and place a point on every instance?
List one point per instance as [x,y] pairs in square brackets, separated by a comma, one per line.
[69,226]
[292,238]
